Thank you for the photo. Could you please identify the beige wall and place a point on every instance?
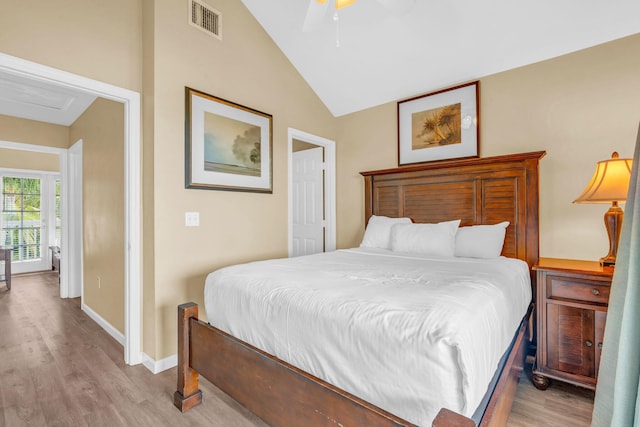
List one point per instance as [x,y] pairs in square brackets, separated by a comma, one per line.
[13,129]
[579,108]
[24,131]
[20,159]
[247,68]
[101,129]
[97,39]
[148,241]
[301,146]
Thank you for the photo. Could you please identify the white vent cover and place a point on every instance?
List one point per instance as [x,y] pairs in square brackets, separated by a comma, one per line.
[205,18]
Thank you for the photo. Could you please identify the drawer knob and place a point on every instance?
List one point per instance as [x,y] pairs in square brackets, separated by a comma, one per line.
[588,343]
[595,291]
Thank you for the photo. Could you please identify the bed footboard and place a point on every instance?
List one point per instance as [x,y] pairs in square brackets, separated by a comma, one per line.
[282,394]
[188,394]
[277,392]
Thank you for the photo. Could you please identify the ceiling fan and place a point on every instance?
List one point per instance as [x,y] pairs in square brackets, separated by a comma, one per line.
[318,9]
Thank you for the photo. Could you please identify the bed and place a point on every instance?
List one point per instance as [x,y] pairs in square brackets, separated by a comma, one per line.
[475,191]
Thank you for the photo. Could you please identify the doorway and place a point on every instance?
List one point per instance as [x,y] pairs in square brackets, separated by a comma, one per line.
[29,217]
[131,101]
[312,194]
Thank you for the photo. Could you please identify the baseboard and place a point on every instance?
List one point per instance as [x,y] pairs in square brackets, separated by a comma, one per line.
[155,366]
[159,365]
[116,334]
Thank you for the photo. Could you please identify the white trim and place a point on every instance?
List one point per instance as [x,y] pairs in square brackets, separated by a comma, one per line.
[25,172]
[131,100]
[73,205]
[67,227]
[116,334]
[329,185]
[30,147]
[160,365]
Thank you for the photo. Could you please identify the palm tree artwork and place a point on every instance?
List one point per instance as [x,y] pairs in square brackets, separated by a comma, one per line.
[437,127]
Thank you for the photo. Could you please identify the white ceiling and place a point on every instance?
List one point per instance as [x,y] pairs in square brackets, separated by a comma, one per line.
[388,54]
[36,100]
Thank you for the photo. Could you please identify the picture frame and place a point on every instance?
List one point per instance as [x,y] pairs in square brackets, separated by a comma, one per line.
[439,125]
[227,146]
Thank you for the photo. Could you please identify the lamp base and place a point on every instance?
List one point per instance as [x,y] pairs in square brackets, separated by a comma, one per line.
[613,222]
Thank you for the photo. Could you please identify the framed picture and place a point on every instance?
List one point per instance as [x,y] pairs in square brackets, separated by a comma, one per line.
[439,125]
[227,146]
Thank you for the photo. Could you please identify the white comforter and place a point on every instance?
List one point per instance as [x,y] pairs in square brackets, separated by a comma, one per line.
[408,334]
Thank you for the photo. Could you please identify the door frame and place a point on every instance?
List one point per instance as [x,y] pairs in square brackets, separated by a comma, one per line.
[75,285]
[329,185]
[132,179]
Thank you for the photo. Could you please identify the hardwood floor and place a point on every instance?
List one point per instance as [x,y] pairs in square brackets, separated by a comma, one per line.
[561,405]
[59,368]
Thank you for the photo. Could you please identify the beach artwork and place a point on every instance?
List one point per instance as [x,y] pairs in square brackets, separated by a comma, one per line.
[227,145]
[439,125]
[436,127]
[231,146]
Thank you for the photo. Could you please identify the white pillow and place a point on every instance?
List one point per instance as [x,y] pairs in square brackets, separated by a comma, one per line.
[378,231]
[481,241]
[425,239]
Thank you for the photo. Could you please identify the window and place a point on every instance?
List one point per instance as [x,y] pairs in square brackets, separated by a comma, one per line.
[21,220]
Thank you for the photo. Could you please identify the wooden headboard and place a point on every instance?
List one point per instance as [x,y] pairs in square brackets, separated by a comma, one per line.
[484,190]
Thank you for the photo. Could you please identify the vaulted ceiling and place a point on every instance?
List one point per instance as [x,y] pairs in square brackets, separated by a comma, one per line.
[390,49]
[394,49]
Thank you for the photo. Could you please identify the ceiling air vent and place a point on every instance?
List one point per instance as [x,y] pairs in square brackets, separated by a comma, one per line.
[206,18]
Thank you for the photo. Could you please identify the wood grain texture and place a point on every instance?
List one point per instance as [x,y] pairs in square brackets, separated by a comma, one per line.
[478,191]
[77,352]
[59,368]
[571,316]
[188,394]
[561,405]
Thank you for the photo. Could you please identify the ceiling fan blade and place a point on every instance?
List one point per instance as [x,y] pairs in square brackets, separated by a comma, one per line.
[316,12]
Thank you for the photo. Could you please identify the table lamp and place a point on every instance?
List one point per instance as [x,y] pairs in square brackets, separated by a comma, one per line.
[610,184]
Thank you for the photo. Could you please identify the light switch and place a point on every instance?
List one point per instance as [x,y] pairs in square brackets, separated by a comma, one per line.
[192,219]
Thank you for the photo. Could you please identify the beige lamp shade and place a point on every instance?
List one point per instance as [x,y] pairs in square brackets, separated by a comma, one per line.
[610,182]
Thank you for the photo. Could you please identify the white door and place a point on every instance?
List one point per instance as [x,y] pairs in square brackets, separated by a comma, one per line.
[308,201]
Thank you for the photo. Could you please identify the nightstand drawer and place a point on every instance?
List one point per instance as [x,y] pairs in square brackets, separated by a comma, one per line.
[589,291]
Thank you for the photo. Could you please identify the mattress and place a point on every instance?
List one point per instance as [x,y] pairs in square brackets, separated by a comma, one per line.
[407,333]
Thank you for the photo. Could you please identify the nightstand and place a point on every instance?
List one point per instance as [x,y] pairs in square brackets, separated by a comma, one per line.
[571,309]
